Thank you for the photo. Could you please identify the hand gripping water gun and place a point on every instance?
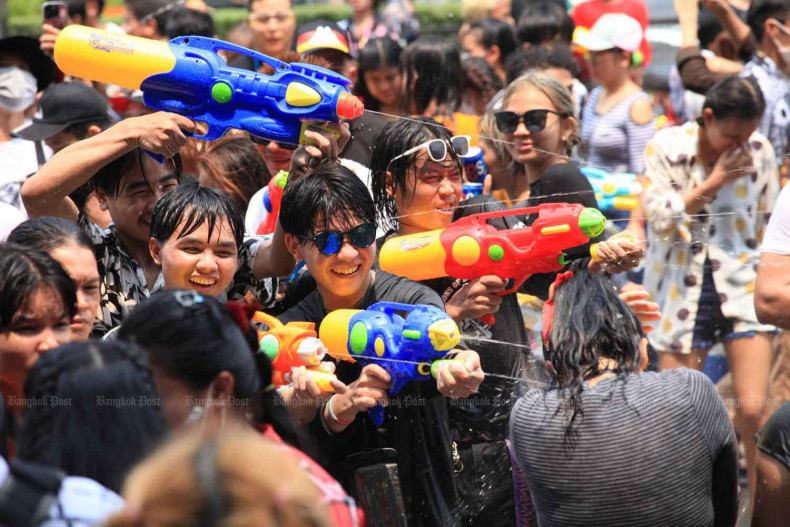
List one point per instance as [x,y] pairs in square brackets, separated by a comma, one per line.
[290,346]
[470,248]
[614,190]
[407,348]
[272,195]
[186,76]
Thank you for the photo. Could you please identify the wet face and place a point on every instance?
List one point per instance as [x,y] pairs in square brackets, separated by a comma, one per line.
[343,277]
[526,147]
[433,191]
[276,157]
[274,24]
[40,325]
[728,133]
[384,85]
[196,261]
[138,193]
[80,264]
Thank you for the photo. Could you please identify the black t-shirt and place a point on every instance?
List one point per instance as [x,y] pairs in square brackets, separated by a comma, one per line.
[364,131]
[503,349]
[774,436]
[561,183]
[416,422]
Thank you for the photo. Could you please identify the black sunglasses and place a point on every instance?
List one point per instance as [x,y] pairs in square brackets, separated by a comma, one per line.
[330,242]
[265,142]
[534,120]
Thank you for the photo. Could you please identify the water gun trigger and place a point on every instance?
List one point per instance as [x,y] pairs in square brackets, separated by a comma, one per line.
[303,140]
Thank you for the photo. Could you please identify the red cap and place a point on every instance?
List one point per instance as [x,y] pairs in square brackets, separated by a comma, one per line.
[348,106]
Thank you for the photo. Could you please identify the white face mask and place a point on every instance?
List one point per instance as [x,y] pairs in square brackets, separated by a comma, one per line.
[17,88]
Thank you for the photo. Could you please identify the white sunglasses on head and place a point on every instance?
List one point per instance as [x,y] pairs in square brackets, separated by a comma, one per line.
[437,148]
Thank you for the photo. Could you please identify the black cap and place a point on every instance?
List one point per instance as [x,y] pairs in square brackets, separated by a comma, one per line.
[29,50]
[63,105]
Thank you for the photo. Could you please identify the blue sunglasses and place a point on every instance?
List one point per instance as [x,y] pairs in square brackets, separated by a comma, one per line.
[330,242]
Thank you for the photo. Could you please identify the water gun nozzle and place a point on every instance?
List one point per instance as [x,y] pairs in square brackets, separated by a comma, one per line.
[349,106]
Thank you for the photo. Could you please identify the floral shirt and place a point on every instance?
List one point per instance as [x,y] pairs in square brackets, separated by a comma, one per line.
[727,231]
[123,283]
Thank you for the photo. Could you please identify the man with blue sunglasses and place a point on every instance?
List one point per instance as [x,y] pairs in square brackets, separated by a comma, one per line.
[329,220]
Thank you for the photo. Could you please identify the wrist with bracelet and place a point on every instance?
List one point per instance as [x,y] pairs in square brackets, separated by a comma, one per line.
[332,416]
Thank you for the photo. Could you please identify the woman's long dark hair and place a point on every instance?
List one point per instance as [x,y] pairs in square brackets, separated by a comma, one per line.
[378,53]
[193,338]
[96,411]
[590,323]
[23,271]
[432,69]
[394,139]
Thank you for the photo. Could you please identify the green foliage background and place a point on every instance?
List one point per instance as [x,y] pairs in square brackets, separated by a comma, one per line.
[435,17]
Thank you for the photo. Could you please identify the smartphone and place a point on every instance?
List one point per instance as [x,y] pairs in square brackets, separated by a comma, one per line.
[55,13]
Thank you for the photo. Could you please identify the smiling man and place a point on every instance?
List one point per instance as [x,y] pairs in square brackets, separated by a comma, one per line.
[329,220]
[128,184]
[196,238]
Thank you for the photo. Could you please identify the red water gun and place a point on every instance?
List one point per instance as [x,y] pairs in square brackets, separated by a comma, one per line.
[290,346]
[470,248]
[272,196]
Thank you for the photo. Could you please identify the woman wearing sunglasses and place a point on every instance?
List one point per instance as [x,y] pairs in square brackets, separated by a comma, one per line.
[537,123]
[417,187]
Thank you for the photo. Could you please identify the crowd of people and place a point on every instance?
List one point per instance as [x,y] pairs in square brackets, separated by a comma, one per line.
[135,258]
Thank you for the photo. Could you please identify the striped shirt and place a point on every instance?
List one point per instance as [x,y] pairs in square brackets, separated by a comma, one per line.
[613,141]
[652,449]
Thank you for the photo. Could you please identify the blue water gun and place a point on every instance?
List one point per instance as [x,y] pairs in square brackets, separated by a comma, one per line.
[187,76]
[407,348]
[614,190]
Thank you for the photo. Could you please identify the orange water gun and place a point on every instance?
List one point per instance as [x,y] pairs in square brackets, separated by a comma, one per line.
[293,345]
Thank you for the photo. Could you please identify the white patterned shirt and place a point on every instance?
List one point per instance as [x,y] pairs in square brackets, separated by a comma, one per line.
[727,231]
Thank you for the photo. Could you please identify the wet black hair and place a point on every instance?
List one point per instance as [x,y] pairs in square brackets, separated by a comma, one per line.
[590,322]
[23,271]
[544,21]
[100,415]
[433,67]
[47,233]
[540,58]
[394,139]
[761,10]
[736,97]
[195,205]
[330,194]
[109,178]
[495,32]
[378,53]
[184,21]
[193,338]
